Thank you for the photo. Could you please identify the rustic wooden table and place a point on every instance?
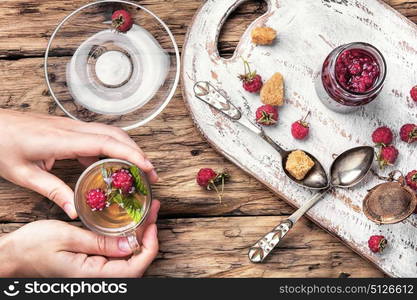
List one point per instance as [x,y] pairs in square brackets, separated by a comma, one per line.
[198,236]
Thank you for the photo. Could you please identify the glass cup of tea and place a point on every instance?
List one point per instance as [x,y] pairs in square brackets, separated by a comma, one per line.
[113,198]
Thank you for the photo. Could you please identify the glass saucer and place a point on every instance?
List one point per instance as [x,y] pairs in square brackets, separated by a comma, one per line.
[97,74]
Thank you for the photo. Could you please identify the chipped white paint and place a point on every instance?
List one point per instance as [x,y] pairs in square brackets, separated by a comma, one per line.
[308,31]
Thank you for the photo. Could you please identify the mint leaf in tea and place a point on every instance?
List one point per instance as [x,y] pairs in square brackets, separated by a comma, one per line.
[140,186]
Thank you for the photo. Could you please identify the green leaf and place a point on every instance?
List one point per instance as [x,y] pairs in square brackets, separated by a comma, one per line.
[139,184]
[130,204]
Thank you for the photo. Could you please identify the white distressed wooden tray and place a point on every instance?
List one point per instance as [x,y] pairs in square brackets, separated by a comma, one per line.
[308,31]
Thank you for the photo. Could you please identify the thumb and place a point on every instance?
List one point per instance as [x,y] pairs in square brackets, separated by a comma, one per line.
[83,241]
[51,187]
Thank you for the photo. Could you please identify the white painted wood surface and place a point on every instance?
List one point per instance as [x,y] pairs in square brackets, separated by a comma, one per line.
[308,31]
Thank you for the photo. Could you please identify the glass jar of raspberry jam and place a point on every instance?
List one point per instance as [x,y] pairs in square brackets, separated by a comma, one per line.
[351,76]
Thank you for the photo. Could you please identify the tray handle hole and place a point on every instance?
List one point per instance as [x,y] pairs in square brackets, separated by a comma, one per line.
[237,23]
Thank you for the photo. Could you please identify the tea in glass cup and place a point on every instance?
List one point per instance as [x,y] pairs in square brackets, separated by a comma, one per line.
[113,198]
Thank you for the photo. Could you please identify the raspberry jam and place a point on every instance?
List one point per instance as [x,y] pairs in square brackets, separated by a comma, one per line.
[356,70]
[351,76]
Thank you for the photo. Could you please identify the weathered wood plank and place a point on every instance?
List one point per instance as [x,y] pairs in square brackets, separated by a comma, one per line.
[406,7]
[216,247]
[38,19]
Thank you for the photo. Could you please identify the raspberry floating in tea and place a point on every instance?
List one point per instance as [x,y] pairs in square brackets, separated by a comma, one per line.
[123,180]
[96,199]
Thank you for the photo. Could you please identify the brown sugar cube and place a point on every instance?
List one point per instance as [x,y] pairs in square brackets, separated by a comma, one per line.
[272,92]
[299,164]
[263,35]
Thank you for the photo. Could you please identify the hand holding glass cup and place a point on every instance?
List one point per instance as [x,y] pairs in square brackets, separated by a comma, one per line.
[113,198]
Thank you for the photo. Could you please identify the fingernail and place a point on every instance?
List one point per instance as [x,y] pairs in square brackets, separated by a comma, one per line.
[124,245]
[70,210]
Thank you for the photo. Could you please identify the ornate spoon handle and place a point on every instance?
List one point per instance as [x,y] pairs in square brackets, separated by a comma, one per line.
[264,246]
[259,251]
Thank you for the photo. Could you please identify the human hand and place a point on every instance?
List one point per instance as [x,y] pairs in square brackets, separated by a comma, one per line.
[31,143]
[56,249]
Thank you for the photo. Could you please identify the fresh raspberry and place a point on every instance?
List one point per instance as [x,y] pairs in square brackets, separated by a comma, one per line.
[413,93]
[121,20]
[408,133]
[123,180]
[267,115]
[377,243]
[387,156]
[96,199]
[209,179]
[301,128]
[382,136]
[411,179]
[252,82]
[206,177]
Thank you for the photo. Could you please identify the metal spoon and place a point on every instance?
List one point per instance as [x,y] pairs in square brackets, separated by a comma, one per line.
[347,170]
[316,178]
